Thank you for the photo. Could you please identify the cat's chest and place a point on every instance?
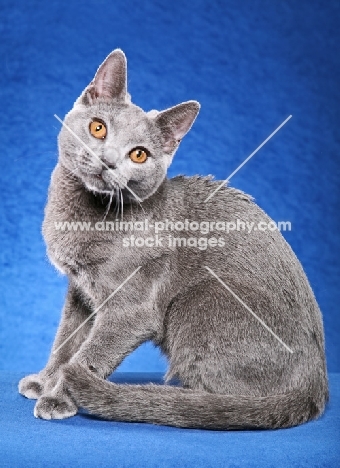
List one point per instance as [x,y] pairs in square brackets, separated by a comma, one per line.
[74,245]
[74,251]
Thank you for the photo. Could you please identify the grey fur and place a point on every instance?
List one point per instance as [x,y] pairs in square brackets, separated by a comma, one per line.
[234,374]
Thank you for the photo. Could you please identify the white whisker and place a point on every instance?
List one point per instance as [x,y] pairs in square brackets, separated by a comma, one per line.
[121,204]
[108,205]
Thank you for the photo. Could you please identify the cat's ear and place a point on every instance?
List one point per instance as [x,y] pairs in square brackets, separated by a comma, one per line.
[109,82]
[176,122]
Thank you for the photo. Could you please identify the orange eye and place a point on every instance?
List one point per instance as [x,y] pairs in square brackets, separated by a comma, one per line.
[138,155]
[98,129]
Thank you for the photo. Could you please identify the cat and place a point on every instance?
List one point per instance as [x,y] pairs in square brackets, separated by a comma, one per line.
[234,314]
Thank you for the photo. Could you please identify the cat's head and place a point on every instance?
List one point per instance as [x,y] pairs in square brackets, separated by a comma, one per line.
[110,143]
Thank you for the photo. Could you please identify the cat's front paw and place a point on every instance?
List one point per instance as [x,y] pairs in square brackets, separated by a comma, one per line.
[31,386]
[55,407]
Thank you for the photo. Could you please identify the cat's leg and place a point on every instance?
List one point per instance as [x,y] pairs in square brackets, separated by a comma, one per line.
[209,335]
[113,336]
[75,312]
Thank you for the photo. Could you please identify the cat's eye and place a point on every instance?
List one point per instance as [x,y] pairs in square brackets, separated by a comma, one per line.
[98,129]
[138,155]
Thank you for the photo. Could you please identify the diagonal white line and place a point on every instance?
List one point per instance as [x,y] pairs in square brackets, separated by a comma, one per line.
[95,311]
[247,159]
[249,310]
[94,154]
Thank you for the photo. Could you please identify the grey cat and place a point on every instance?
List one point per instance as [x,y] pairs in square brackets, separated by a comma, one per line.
[233,312]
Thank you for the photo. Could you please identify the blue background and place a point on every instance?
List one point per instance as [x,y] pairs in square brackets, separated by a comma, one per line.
[250,64]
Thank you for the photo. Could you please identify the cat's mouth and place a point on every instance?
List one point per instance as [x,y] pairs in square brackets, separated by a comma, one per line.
[95,182]
[97,178]
[102,182]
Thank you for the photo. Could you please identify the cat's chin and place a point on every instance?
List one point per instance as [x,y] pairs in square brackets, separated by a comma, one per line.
[94,189]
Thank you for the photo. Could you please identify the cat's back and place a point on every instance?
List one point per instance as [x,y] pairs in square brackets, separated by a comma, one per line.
[228,213]
[256,265]
[243,246]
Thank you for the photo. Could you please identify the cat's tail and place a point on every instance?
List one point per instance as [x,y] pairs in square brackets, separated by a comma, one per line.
[175,406]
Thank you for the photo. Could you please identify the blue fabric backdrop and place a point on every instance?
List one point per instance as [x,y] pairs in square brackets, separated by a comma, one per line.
[249,63]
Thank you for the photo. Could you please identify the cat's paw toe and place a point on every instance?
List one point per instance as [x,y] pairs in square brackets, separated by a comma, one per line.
[50,407]
[31,386]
